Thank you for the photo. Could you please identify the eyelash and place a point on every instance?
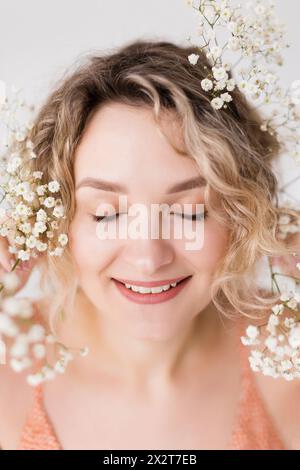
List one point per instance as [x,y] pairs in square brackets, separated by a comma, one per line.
[193,217]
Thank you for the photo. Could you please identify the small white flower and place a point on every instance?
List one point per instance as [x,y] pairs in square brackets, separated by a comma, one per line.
[49,201]
[20,240]
[11,306]
[31,242]
[23,255]
[271,343]
[63,239]
[230,84]
[252,331]
[40,190]
[217,103]
[292,304]
[14,164]
[41,246]
[216,52]
[25,308]
[19,348]
[35,379]
[58,211]
[23,363]
[289,322]
[220,73]
[39,227]
[54,186]
[22,188]
[29,197]
[193,58]
[10,281]
[57,252]
[225,13]
[37,175]
[278,309]
[16,365]
[220,85]
[41,215]
[8,326]
[226,97]
[59,367]
[206,84]
[22,210]
[273,320]
[36,333]
[25,227]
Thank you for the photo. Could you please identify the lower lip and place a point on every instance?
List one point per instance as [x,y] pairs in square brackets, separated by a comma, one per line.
[151,298]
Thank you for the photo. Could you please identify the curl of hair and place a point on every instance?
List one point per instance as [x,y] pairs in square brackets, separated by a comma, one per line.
[232,152]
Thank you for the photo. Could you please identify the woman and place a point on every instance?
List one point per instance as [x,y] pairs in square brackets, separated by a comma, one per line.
[166,369]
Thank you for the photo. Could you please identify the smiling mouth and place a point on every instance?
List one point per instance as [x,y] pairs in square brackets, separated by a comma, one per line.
[152,294]
[154,285]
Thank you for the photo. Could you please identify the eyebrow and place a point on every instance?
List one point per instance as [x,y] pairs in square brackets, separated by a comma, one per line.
[115,187]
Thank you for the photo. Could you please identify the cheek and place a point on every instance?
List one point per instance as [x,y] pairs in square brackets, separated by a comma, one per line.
[214,248]
[89,252]
[84,244]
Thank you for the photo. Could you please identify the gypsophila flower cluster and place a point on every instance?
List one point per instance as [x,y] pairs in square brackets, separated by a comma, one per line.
[243,43]
[29,339]
[280,338]
[30,218]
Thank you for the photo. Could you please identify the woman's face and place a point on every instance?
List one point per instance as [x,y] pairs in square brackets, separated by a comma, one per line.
[123,146]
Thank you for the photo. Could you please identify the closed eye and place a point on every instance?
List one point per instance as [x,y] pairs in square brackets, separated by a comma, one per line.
[100,218]
[193,217]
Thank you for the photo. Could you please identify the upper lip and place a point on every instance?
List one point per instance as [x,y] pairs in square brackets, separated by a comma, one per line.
[150,283]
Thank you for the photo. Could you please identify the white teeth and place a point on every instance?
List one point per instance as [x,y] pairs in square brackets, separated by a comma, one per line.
[151,290]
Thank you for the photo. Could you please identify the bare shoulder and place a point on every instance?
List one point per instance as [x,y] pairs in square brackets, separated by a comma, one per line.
[16,398]
[282,399]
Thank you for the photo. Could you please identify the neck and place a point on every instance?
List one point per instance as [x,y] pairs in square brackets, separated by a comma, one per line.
[139,362]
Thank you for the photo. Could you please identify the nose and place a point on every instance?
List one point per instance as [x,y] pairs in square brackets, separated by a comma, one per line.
[148,256]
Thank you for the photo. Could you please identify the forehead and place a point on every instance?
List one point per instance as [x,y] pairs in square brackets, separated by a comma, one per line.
[125,140]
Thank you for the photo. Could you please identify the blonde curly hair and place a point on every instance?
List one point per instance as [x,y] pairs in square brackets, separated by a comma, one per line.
[233,154]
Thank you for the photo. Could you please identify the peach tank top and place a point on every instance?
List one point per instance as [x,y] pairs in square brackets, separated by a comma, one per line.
[253,426]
